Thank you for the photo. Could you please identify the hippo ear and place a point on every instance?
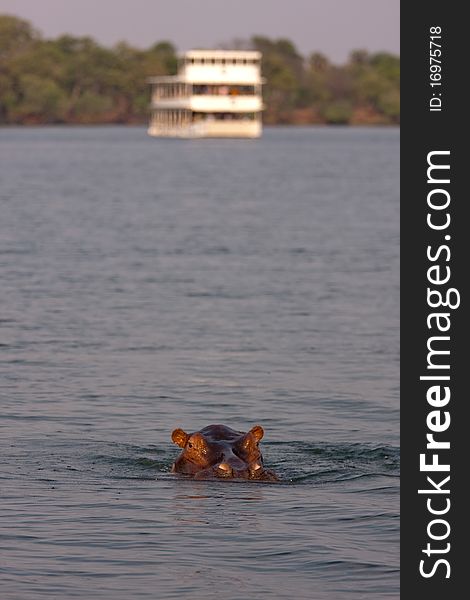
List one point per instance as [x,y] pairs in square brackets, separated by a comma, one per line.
[180,437]
[258,432]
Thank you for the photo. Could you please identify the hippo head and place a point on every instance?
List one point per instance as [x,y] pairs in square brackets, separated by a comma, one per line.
[219,451]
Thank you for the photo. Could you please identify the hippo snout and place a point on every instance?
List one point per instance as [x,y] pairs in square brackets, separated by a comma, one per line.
[232,467]
[232,464]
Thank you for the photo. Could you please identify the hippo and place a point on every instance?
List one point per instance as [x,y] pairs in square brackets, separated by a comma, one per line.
[218,451]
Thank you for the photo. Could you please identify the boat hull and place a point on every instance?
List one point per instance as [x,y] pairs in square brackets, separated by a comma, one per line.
[215,129]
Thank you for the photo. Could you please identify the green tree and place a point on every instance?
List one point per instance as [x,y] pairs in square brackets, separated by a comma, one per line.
[40,100]
[376,84]
[283,69]
[165,53]
[16,36]
[338,112]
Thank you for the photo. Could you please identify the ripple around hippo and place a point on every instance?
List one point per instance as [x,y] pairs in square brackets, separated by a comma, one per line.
[295,462]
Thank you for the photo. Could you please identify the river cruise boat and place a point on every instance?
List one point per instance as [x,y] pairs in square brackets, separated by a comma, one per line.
[216,93]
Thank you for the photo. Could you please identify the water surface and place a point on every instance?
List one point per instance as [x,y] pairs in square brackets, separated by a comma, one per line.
[148,284]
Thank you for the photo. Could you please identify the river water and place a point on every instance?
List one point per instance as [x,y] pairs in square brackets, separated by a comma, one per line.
[148,284]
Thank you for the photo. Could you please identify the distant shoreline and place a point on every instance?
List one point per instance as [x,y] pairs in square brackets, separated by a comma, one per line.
[144,125]
[76,81]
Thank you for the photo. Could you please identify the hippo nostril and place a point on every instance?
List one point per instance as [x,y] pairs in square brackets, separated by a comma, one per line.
[256,469]
[224,469]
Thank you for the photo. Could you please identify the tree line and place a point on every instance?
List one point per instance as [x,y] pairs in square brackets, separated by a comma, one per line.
[76,80]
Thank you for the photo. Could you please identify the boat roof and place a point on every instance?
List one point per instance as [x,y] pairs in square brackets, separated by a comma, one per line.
[221,54]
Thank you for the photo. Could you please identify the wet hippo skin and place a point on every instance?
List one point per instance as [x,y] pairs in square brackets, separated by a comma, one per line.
[219,451]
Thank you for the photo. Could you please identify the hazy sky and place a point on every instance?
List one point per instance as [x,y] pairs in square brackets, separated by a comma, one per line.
[334,27]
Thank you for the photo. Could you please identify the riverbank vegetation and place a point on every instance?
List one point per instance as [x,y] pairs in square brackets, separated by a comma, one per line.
[76,80]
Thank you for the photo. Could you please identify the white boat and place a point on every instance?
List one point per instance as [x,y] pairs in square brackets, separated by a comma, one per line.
[216,93]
